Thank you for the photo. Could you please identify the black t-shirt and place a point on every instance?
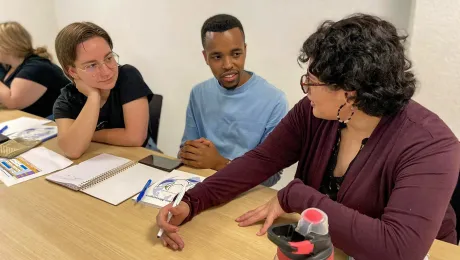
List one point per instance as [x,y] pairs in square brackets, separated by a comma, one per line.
[45,73]
[129,86]
[3,71]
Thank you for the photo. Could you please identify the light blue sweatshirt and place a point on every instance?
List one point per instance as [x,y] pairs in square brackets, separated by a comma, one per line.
[238,120]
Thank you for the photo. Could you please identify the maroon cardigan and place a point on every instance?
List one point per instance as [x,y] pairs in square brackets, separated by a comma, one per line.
[394,200]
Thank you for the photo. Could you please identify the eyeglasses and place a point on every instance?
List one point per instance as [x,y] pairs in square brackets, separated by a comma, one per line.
[111,61]
[305,83]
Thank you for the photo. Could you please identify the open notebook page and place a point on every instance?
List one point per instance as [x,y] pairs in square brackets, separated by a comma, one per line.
[125,184]
[75,176]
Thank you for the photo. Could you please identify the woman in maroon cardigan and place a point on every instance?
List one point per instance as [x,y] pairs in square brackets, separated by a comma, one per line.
[381,166]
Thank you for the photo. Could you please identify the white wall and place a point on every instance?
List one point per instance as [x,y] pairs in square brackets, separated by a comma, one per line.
[435,50]
[38,17]
[162,39]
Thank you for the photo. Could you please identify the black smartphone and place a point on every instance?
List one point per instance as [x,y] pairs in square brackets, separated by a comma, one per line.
[3,138]
[161,163]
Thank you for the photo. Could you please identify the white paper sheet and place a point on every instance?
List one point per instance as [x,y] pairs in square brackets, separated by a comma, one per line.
[30,165]
[21,124]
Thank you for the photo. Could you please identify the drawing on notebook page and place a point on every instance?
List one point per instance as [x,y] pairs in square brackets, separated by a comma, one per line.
[166,190]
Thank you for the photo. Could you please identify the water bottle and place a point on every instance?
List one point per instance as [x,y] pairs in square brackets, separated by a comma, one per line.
[306,240]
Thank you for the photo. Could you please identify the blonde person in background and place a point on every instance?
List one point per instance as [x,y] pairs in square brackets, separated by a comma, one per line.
[30,81]
[107,102]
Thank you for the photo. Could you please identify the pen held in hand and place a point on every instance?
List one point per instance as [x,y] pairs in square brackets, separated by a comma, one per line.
[176,202]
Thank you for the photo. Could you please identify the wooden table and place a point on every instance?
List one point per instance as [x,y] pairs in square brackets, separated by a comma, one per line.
[41,220]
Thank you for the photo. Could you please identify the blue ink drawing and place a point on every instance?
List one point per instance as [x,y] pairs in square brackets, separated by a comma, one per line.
[169,188]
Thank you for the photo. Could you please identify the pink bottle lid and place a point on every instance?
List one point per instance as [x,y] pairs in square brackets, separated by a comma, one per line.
[313,220]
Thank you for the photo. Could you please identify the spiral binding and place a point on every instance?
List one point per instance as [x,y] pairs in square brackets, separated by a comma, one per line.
[107,175]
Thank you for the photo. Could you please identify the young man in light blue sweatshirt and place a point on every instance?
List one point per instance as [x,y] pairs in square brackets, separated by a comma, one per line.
[234,111]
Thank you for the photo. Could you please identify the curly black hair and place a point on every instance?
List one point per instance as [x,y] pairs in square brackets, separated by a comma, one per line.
[362,53]
[220,23]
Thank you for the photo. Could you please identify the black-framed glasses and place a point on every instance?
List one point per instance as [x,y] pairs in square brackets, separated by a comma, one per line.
[305,83]
[111,61]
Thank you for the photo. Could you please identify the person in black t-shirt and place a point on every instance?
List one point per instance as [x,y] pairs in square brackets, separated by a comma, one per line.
[106,102]
[29,81]
[3,70]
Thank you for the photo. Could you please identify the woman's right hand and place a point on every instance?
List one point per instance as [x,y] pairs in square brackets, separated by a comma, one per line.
[170,235]
[86,90]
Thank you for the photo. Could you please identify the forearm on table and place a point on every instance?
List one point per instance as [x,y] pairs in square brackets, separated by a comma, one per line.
[77,137]
[201,198]
[230,182]
[5,95]
[119,136]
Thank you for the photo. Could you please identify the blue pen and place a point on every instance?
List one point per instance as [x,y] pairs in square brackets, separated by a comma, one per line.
[3,129]
[139,197]
[49,137]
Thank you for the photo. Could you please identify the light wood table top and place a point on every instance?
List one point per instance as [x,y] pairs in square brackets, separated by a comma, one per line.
[42,220]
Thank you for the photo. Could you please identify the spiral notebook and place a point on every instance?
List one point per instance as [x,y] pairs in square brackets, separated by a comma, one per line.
[107,177]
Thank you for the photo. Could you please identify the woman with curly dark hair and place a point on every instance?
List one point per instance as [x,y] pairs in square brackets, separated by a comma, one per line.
[381,166]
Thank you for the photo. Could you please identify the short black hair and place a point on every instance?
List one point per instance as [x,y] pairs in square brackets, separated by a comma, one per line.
[362,53]
[220,23]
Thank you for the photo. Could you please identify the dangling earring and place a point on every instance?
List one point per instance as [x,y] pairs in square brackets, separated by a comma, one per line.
[349,118]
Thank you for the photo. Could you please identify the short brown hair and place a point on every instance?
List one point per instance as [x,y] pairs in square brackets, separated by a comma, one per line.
[73,34]
[16,40]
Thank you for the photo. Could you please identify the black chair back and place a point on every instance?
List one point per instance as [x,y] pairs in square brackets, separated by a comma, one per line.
[155,114]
